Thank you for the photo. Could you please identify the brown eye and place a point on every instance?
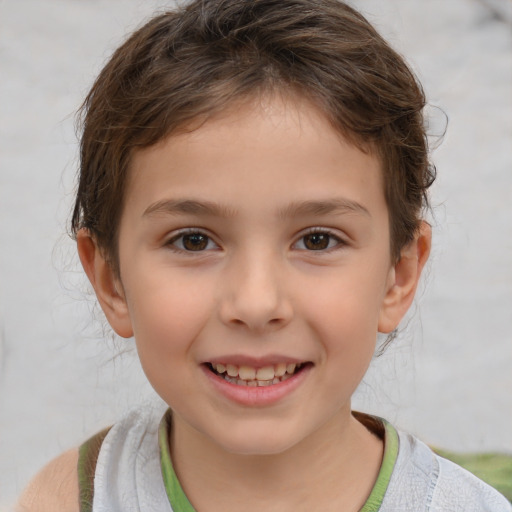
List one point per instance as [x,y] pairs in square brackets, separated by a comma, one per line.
[195,242]
[317,241]
[192,241]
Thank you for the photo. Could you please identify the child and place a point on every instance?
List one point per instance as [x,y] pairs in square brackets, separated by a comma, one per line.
[253,175]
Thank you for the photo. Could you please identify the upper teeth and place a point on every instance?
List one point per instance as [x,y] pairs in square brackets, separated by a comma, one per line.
[248,373]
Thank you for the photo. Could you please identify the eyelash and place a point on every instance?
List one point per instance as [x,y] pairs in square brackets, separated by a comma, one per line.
[207,240]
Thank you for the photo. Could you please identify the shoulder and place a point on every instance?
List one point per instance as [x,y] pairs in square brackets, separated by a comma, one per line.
[55,487]
[471,493]
[437,484]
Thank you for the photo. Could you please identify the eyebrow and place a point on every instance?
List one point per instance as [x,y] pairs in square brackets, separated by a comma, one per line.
[296,209]
[188,207]
[324,207]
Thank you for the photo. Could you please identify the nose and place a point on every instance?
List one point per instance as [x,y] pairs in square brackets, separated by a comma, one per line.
[254,294]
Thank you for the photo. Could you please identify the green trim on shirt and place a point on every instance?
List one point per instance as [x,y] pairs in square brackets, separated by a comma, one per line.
[179,501]
[374,501]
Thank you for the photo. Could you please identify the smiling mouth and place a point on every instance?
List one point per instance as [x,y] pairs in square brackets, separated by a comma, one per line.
[256,377]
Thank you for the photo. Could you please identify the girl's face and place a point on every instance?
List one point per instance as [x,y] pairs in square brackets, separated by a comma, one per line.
[257,243]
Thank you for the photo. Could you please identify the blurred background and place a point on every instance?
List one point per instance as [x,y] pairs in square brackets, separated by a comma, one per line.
[447,378]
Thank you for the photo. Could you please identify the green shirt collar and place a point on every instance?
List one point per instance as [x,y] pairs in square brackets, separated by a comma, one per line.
[179,501]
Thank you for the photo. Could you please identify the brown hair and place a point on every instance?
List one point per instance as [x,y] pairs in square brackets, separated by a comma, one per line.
[191,63]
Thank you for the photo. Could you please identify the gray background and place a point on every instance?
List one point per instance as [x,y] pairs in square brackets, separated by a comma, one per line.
[448,377]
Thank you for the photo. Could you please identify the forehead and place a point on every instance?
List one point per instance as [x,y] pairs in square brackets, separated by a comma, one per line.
[282,146]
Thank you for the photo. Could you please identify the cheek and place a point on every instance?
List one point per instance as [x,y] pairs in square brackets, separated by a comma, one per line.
[344,312]
[348,300]
[167,318]
[167,321]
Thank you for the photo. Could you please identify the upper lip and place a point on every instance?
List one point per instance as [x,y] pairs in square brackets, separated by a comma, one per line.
[254,362]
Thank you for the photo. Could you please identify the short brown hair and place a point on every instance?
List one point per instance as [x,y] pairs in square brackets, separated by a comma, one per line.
[193,62]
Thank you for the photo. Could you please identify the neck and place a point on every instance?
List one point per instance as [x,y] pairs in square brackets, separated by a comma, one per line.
[334,468]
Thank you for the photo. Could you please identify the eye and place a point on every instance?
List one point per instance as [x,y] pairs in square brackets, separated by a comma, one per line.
[192,241]
[318,241]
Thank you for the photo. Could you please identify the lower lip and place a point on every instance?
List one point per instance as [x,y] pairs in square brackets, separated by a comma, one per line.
[258,395]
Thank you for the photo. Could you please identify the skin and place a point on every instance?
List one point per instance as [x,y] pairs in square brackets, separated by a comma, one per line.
[55,487]
[261,288]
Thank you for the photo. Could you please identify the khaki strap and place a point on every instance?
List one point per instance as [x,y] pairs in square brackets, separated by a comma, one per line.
[87,459]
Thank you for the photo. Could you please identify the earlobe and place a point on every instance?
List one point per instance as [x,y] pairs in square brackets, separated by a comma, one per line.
[404,278]
[107,286]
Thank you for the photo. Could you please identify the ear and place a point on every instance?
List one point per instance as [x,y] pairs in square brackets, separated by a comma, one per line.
[107,286]
[404,277]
